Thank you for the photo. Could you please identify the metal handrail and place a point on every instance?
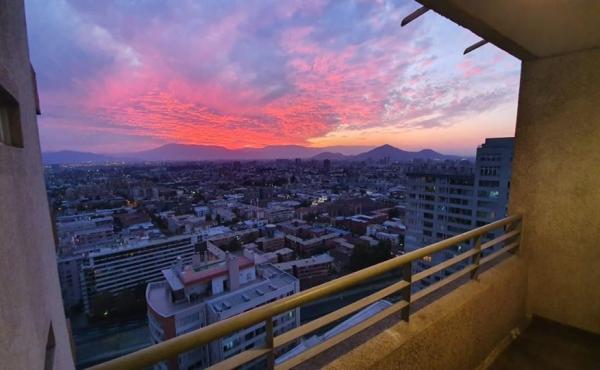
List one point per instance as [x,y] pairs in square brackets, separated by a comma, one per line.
[174,346]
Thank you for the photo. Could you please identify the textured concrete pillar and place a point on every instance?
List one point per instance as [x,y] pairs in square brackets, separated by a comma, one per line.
[33,331]
[556,184]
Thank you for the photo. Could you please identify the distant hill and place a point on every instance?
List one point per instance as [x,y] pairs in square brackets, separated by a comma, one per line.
[73,157]
[331,156]
[184,152]
[395,154]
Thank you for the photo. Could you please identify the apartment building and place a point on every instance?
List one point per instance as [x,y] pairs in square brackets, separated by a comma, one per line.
[272,241]
[278,213]
[358,223]
[78,233]
[440,201]
[69,268]
[310,271]
[493,171]
[115,270]
[307,247]
[205,292]
[452,197]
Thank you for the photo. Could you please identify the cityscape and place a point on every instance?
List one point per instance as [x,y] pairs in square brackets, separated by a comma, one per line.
[164,248]
[319,184]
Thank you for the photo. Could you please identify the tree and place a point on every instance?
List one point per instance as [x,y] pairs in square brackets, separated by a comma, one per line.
[233,245]
[364,255]
[393,213]
[197,197]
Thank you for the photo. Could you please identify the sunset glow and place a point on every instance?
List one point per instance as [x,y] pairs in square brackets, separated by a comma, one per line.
[124,76]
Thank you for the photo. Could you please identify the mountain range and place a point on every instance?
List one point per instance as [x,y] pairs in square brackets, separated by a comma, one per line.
[185,152]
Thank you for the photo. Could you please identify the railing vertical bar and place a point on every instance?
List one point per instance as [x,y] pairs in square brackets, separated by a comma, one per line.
[517,224]
[406,292]
[270,343]
[477,257]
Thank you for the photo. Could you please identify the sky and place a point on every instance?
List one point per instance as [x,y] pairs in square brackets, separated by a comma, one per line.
[128,75]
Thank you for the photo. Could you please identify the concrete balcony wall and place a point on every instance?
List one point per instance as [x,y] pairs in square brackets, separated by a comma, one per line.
[556,185]
[30,299]
[457,331]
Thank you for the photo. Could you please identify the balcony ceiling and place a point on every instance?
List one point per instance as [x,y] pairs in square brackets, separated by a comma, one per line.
[528,29]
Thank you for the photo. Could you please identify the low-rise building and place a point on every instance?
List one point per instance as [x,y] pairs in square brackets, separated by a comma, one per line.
[206,292]
[310,271]
[201,212]
[284,254]
[307,247]
[79,233]
[272,241]
[185,224]
[341,250]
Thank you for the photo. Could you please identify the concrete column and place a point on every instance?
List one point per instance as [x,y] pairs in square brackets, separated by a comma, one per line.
[556,185]
[33,329]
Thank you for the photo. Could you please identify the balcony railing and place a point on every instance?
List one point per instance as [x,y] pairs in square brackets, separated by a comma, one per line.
[507,242]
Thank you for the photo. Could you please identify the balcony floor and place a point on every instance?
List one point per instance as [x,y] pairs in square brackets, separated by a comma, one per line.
[548,345]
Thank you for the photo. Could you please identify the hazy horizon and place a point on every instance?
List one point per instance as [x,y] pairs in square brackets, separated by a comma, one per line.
[336,149]
[119,77]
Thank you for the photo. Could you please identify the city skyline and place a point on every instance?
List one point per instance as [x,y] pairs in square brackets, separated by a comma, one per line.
[317,74]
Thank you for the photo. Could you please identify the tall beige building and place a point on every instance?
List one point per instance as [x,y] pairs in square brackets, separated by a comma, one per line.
[33,331]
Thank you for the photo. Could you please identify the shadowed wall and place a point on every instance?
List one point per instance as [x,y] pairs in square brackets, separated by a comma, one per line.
[33,332]
[556,185]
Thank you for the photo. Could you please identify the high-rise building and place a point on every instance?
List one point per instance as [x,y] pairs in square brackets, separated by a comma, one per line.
[451,197]
[493,170]
[208,291]
[440,201]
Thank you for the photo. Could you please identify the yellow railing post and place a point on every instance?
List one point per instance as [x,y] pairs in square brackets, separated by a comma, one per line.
[270,343]
[406,292]
[477,257]
[517,224]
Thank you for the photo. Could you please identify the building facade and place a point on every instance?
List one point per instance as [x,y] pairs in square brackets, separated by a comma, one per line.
[493,171]
[451,197]
[205,292]
[115,270]
[310,271]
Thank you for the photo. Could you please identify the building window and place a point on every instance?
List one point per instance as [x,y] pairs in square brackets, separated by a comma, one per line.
[10,120]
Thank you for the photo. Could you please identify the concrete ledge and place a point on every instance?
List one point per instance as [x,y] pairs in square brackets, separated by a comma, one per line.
[458,331]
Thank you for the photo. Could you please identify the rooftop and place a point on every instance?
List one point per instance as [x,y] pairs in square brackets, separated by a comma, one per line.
[137,244]
[210,271]
[314,260]
[269,279]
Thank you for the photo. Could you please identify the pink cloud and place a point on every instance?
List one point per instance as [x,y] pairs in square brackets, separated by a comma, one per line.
[259,74]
